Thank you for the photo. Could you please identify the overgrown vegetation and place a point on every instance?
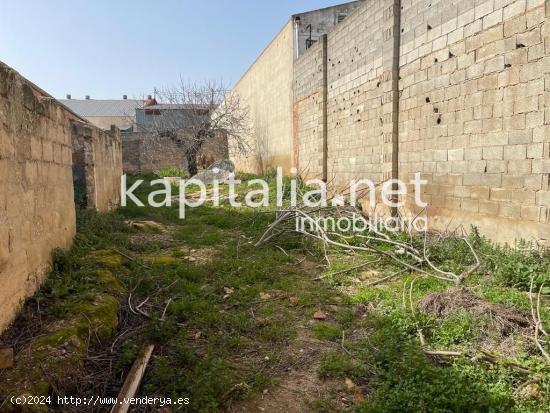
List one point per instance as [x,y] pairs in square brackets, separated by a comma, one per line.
[171,172]
[241,321]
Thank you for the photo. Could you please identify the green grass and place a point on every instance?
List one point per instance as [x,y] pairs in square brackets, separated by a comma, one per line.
[221,342]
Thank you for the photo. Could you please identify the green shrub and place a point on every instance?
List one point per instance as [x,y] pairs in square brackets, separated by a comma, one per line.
[459,327]
[171,172]
[403,380]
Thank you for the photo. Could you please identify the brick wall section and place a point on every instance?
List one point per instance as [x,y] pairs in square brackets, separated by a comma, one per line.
[474,115]
[36,190]
[97,160]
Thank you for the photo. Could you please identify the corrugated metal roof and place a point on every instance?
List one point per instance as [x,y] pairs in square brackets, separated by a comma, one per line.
[174,106]
[103,107]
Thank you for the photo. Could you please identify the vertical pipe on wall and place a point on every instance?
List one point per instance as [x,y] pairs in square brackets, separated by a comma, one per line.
[324,41]
[296,37]
[395,93]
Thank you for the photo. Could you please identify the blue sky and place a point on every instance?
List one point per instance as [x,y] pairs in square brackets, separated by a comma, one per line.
[107,48]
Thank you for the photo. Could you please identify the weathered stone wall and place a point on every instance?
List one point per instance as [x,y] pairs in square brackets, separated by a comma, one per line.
[266,89]
[37,213]
[142,152]
[97,165]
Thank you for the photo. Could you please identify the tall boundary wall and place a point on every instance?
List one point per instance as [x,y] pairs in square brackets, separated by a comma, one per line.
[266,89]
[458,91]
[37,210]
[97,163]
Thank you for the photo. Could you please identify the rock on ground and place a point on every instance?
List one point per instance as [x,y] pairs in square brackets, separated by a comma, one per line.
[219,171]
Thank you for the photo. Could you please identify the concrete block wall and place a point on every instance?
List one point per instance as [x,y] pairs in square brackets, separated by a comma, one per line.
[266,88]
[97,161]
[37,213]
[455,90]
[307,112]
[312,25]
[474,117]
[360,94]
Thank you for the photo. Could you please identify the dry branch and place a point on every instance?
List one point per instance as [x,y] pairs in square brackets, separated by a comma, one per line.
[535,313]
[372,240]
[133,380]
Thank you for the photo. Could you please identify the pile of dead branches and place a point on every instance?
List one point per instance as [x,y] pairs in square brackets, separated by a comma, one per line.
[409,255]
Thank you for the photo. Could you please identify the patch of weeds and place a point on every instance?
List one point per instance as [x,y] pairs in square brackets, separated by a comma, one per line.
[335,364]
[374,295]
[324,331]
[160,331]
[402,379]
[515,267]
[457,328]
[327,403]
[171,172]
[209,381]
[277,332]
[513,298]
[128,354]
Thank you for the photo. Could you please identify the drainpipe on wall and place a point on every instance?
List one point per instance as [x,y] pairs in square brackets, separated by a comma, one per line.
[396,11]
[324,41]
[296,40]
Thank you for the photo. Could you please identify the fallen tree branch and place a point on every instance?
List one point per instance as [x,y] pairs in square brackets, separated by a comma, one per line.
[130,258]
[133,380]
[535,314]
[389,277]
[357,267]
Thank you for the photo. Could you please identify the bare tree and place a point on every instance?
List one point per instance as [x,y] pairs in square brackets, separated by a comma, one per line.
[196,114]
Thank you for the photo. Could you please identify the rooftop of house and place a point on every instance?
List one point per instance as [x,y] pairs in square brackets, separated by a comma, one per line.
[103,107]
[175,106]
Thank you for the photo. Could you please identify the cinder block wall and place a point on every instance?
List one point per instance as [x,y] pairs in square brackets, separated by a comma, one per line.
[36,188]
[456,90]
[474,112]
[307,112]
[97,162]
[360,79]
